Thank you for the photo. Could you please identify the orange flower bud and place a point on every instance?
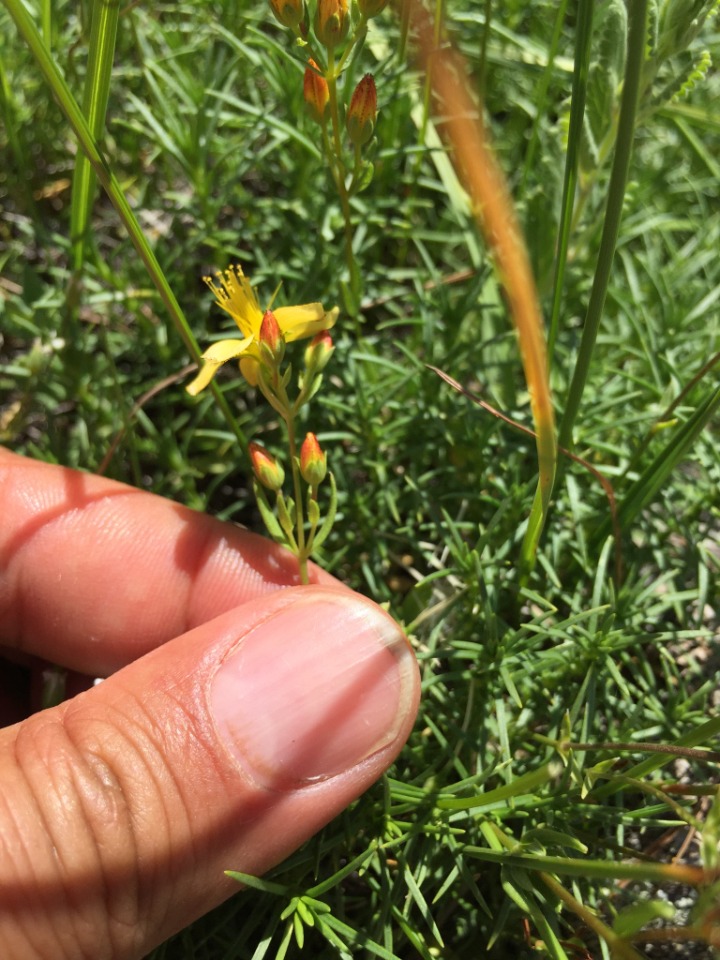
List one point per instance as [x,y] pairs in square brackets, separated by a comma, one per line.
[290,13]
[313,462]
[268,471]
[315,91]
[332,21]
[319,351]
[270,332]
[272,342]
[371,8]
[362,111]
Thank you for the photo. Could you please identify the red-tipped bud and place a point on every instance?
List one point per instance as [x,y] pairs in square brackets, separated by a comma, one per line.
[272,342]
[362,111]
[315,91]
[290,13]
[319,351]
[332,21]
[268,471]
[313,462]
[371,8]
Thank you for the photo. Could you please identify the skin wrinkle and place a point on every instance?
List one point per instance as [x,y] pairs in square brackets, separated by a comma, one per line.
[43,753]
[176,736]
[145,778]
[191,566]
[38,501]
[105,738]
[218,563]
[90,740]
[37,504]
[173,738]
[112,813]
[10,853]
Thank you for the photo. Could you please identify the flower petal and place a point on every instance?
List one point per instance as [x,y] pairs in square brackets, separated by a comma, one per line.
[250,370]
[224,350]
[214,357]
[305,320]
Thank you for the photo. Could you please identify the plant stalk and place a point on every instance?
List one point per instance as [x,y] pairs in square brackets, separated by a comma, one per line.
[613,214]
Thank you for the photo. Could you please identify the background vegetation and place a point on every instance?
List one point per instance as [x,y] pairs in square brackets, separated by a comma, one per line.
[492,835]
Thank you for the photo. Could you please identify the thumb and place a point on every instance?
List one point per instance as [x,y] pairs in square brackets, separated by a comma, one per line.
[225,748]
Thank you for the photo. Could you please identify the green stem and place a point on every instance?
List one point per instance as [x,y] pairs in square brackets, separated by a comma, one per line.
[302,555]
[613,213]
[427,89]
[417,160]
[340,173]
[577,111]
[404,30]
[46,21]
[103,33]
[541,97]
[359,32]
[357,168]
[282,403]
[482,70]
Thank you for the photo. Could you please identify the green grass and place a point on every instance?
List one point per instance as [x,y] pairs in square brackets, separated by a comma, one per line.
[207,140]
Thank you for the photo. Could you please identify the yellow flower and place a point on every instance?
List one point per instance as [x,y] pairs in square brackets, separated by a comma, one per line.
[234,293]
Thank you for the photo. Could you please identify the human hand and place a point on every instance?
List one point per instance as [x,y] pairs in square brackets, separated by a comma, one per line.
[239,715]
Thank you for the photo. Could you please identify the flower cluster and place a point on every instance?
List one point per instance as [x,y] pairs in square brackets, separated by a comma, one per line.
[295,519]
[347,116]
[332,17]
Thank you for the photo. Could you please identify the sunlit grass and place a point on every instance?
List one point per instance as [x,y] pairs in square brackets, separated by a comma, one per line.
[207,141]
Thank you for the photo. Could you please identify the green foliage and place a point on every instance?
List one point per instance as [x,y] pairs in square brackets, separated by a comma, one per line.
[533,697]
[604,81]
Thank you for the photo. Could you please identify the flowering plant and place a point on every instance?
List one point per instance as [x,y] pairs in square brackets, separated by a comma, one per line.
[338,31]
[295,520]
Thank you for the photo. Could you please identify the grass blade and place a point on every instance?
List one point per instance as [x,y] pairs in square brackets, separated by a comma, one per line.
[495,215]
[583,39]
[613,214]
[651,480]
[95,100]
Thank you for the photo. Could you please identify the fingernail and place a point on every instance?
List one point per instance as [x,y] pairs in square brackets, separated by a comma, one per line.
[314,690]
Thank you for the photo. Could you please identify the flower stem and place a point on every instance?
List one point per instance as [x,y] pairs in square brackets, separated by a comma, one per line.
[277,396]
[338,167]
[302,554]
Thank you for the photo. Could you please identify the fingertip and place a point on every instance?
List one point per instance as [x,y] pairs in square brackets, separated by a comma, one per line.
[325,683]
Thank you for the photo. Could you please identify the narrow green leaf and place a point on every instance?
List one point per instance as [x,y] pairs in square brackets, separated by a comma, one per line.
[299,930]
[651,481]
[257,883]
[583,38]
[611,221]
[267,514]
[284,513]
[528,783]
[633,918]
[326,527]
[101,52]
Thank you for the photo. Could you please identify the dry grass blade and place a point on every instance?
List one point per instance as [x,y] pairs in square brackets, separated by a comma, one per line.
[480,174]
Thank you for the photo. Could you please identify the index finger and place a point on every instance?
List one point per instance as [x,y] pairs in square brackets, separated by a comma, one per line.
[94,574]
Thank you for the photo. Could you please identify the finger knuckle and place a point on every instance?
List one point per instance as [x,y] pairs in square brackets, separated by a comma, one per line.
[91,844]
